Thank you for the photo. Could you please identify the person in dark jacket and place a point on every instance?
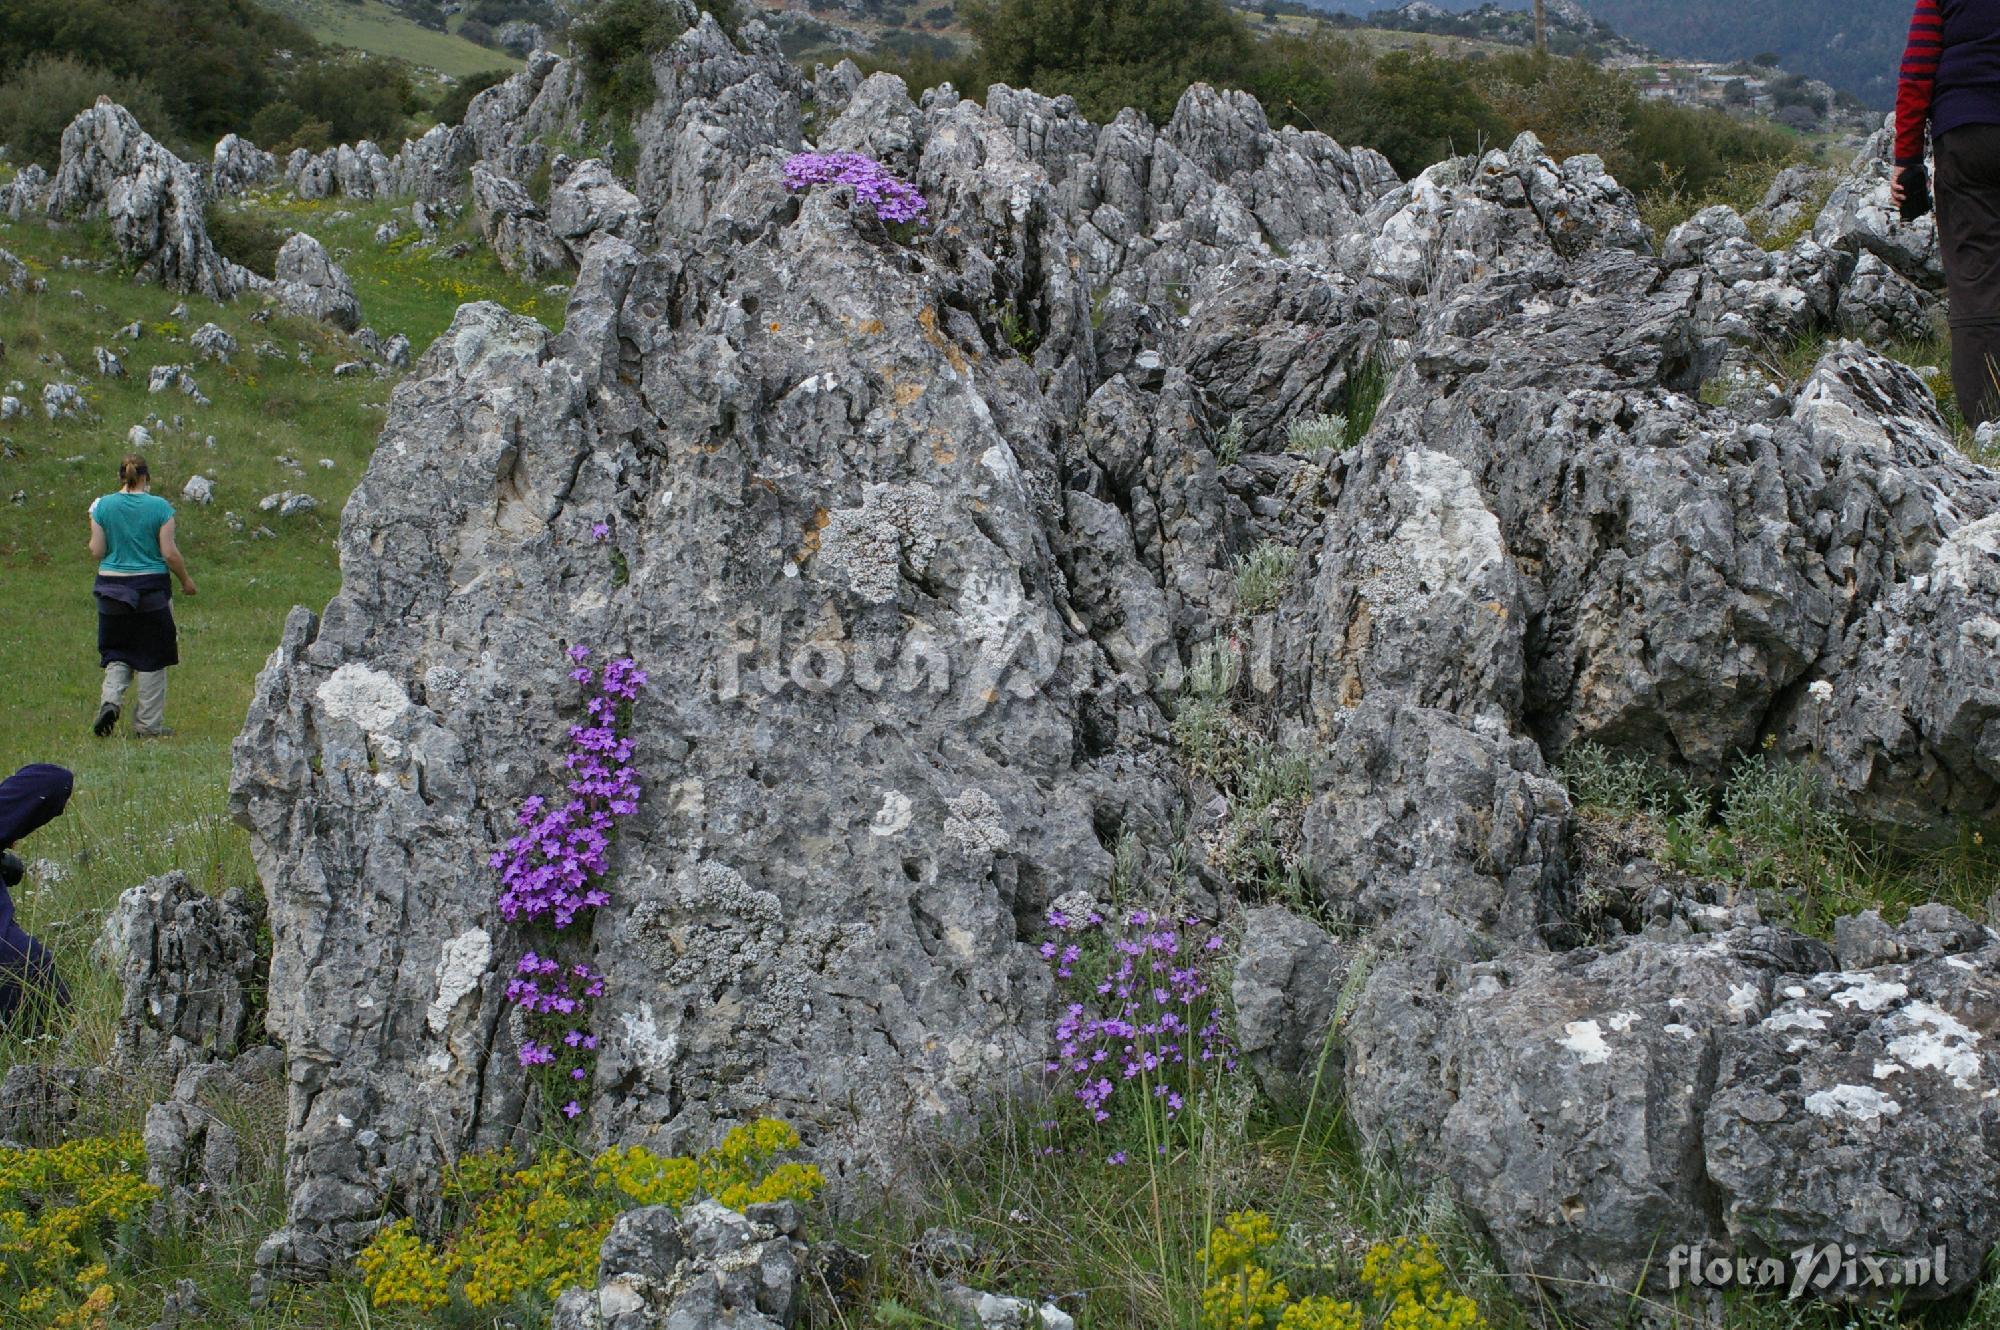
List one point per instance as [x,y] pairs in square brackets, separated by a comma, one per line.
[132,537]
[1951,83]
[29,985]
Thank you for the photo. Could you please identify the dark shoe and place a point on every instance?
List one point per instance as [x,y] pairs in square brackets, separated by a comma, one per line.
[107,720]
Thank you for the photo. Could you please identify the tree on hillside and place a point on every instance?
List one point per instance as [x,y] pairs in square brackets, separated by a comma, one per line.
[616,42]
[212,63]
[38,101]
[1110,54]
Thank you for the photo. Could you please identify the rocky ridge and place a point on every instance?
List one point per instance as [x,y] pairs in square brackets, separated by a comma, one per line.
[919,539]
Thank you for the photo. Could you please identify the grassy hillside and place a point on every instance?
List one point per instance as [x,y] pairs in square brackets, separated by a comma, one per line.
[370,25]
[142,808]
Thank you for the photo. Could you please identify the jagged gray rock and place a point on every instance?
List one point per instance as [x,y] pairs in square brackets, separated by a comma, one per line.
[509,125]
[39,1102]
[189,965]
[1562,1095]
[994,459]
[26,194]
[213,343]
[1861,1110]
[113,168]
[1288,978]
[239,165]
[308,282]
[195,1149]
[708,1266]
[63,401]
[589,201]
[515,227]
[1859,218]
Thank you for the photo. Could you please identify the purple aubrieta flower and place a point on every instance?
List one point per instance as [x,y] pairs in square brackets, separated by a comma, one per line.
[550,873]
[893,200]
[600,532]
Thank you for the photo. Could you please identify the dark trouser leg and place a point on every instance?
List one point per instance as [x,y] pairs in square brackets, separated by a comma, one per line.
[1975,369]
[1968,218]
[30,989]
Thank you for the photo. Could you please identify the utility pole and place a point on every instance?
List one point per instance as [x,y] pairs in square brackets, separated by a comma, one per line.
[1541,28]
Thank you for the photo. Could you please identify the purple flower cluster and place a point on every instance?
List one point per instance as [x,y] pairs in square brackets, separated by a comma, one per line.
[551,875]
[1143,1028]
[893,200]
[549,872]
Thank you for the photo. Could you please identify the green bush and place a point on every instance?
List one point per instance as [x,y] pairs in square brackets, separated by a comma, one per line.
[213,63]
[1110,54]
[357,97]
[451,107]
[245,238]
[40,99]
[617,42]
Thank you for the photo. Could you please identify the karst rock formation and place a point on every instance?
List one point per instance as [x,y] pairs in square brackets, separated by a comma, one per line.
[917,533]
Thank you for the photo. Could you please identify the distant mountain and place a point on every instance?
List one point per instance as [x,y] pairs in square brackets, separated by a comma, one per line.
[1854,45]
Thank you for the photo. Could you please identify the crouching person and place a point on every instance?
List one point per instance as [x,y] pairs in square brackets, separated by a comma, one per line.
[30,988]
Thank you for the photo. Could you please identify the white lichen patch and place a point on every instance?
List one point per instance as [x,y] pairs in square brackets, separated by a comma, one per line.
[1744,1001]
[459,968]
[1870,994]
[1864,1103]
[1586,1040]
[1796,1018]
[1622,1021]
[369,698]
[1936,1041]
[1884,1070]
[1969,560]
[651,1050]
[1683,1031]
[896,527]
[893,816]
[975,822]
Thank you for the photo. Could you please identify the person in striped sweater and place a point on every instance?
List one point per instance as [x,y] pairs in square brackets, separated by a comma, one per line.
[1951,84]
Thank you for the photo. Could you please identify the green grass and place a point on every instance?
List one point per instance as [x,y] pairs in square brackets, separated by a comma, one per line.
[370,25]
[1770,830]
[406,287]
[145,807]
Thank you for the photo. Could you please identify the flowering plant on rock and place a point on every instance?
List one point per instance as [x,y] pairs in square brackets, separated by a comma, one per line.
[551,881]
[892,200]
[1141,1042]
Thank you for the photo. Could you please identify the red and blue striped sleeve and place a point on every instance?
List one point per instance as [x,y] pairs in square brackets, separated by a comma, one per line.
[1913,90]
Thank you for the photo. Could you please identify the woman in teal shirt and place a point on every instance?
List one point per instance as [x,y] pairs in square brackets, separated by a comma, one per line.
[132,538]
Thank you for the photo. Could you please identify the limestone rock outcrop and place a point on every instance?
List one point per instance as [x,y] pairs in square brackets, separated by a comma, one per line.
[190,970]
[112,168]
[308,282]
[918,536]
[515,227]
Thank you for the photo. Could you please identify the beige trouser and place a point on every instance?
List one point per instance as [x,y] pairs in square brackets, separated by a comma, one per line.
[152,708]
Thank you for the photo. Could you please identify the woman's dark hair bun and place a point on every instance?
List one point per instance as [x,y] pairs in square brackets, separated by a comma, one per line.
[133,470]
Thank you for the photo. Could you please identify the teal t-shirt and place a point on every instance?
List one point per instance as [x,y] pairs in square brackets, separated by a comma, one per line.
[132,525]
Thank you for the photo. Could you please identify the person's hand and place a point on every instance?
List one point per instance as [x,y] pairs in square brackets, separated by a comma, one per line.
[1910,190]
[187,586]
